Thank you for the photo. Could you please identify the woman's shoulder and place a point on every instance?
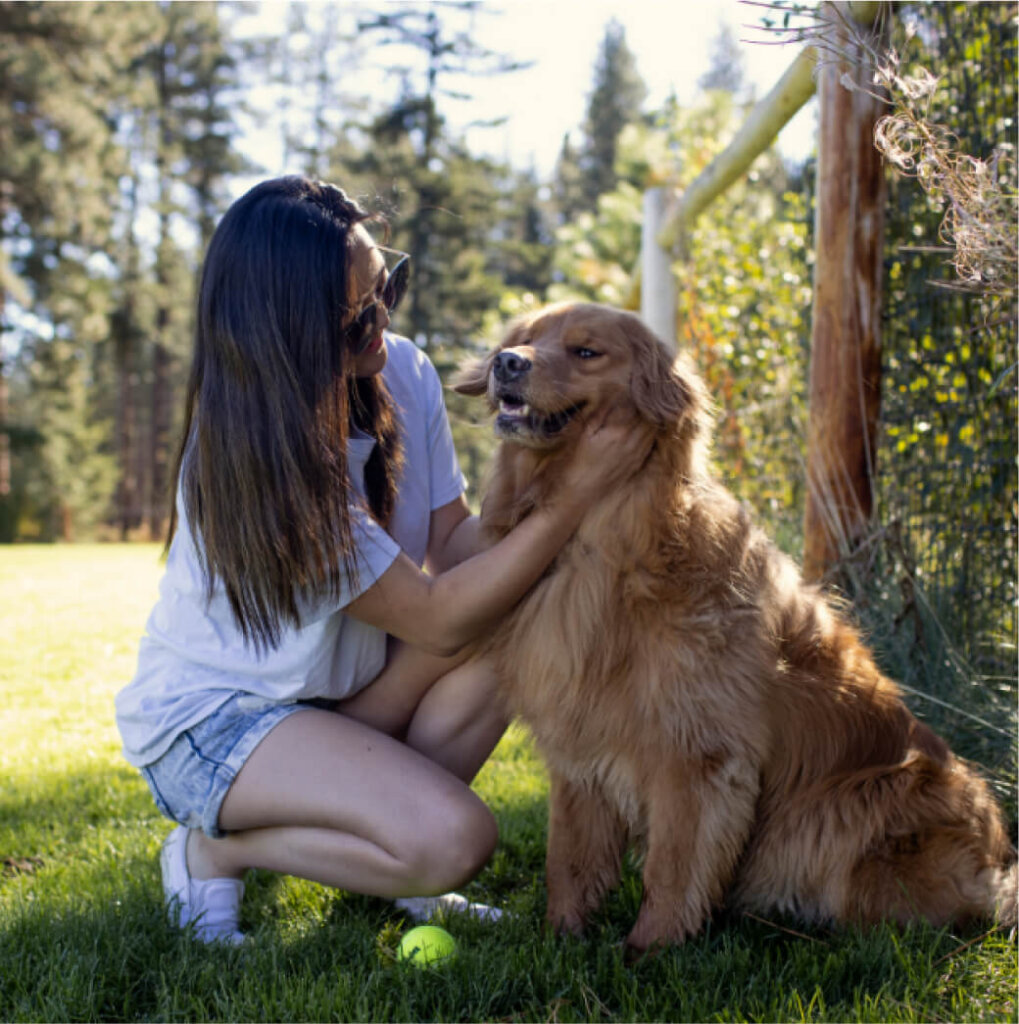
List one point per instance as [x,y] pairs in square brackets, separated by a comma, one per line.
[408,364]
[403,352]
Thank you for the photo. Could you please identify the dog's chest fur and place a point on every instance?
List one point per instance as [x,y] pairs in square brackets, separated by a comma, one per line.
[606,657]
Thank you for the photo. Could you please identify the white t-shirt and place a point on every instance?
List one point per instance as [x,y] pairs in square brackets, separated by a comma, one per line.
[193,656]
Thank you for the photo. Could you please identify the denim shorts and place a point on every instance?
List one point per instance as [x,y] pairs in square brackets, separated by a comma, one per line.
[191,779]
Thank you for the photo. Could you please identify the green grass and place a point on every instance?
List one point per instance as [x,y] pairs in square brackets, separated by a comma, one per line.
[82,933]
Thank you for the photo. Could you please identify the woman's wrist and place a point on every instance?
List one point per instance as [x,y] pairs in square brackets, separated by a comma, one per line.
[568,503]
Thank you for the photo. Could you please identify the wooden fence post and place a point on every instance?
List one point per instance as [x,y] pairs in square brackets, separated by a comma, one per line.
[658,288]
[845,363]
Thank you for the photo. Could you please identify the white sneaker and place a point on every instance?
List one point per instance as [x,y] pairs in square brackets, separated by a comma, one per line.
[423,908]
[212,906]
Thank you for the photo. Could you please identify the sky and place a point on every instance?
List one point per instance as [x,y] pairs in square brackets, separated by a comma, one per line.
[670,39]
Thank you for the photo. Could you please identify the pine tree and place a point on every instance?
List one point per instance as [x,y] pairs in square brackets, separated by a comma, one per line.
[57,173]
[523,236]
[726,71]
[186,77]
[615,102]
[208,116]
[441,197]
[307,67]
[567,184]
[112,115]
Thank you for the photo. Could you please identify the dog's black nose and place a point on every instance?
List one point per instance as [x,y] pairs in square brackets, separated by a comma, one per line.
[510,367]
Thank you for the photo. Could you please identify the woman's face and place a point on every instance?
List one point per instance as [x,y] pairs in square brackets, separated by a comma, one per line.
[366,279]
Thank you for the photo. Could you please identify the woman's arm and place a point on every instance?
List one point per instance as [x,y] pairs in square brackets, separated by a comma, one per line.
[443,613]
[453,536]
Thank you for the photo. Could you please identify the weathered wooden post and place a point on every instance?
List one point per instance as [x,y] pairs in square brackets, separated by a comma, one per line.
[845,363]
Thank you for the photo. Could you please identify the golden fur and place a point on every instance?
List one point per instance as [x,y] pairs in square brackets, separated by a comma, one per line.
[691,695]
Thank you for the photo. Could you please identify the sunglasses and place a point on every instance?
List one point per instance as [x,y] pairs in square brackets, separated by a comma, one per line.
[361,330]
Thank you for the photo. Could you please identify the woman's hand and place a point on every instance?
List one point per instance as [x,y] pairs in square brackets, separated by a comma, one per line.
[442,614]
[614,446]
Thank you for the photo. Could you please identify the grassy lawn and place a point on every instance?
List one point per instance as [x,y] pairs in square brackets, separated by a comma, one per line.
[82,933]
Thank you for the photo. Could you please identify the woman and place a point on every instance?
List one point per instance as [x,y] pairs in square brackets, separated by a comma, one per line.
[303,702]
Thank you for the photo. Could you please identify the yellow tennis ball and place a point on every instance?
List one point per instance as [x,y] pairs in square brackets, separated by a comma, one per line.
[426,945]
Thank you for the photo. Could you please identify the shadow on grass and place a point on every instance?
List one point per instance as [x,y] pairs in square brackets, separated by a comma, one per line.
[89,957]
[85,938]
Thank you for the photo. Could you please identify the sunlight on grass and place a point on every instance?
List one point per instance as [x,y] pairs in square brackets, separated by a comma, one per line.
[71,619]
[83,935]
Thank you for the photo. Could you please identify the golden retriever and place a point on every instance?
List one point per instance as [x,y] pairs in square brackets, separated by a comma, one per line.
[690,694]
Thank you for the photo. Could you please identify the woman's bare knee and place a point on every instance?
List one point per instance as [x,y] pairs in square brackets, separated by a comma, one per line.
[459,842]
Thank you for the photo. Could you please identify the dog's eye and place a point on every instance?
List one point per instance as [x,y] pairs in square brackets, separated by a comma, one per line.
[582,352]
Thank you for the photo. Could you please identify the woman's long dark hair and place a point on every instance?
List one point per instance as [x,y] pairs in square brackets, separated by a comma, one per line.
[270,400]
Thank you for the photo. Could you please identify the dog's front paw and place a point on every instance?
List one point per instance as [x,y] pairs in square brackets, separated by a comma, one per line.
[633,955]
[565,921]
[653,932]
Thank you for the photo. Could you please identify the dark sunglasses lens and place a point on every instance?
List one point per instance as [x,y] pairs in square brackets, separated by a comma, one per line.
[359,333]
[396,286]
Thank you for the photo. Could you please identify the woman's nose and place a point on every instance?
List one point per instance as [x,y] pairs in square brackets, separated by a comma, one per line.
[382,320]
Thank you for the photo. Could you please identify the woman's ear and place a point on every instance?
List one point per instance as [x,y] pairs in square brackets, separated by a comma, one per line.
[662,392]
[471,377]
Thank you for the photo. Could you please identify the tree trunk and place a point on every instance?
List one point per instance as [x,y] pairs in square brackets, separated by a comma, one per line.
[7,525]
[160,436]
[5,440]
[845,365]
[126,350]
[161,357]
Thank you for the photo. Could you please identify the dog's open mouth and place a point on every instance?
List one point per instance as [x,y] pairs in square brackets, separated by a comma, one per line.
[516,417]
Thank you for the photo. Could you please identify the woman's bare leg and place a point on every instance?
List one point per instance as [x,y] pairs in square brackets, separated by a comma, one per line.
[445,708]
[393,697]
[327,798]
[459,720]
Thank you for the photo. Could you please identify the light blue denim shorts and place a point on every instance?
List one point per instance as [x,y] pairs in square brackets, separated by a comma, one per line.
[191,779]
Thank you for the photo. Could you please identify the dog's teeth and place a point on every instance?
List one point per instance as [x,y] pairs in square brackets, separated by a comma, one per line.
[514,410]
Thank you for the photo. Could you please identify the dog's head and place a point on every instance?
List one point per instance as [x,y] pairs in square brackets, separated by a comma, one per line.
[563,364]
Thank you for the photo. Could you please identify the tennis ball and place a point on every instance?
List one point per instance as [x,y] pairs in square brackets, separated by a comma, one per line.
[426,945]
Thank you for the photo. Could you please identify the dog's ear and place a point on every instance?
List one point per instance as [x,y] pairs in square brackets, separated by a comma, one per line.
[471,378]
[660,389]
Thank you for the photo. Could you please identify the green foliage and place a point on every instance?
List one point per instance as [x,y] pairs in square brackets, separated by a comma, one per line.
[744,294]
[445,204]
[947,467]
[114,113]
[56,196]
[54,137]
